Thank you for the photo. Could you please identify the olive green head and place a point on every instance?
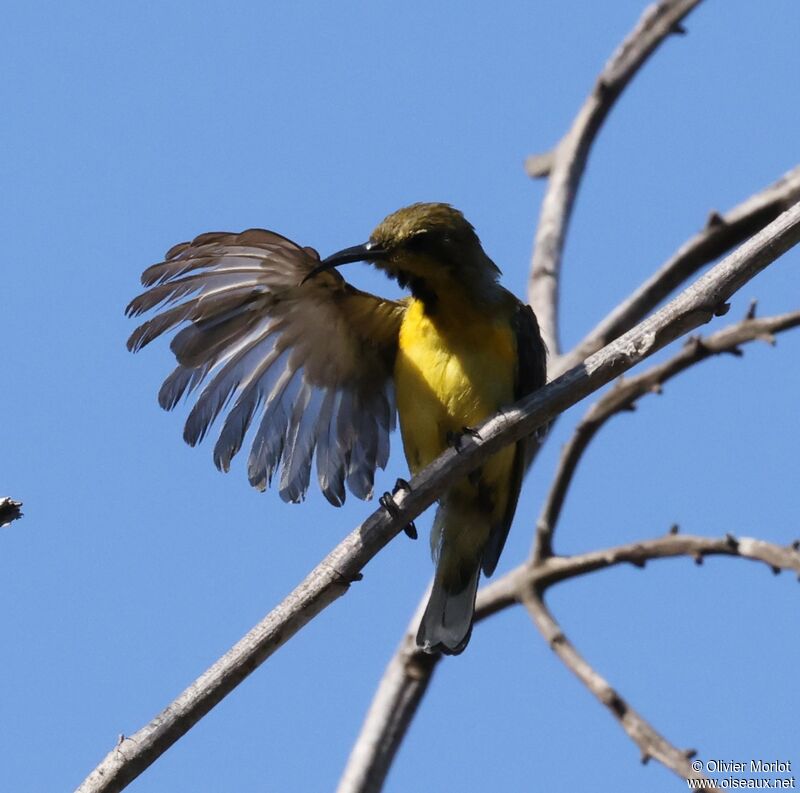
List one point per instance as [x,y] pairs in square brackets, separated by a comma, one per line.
[411,225]
[426,245]
[432,241]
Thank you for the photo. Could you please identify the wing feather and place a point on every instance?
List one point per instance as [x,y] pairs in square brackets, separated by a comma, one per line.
[270,439]
[531,375]
[300,442]
[247,363]
[330,457]
[310,364]
[269,379]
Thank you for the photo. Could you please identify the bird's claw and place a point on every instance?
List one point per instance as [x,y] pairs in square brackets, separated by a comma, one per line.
[411,530]
[387,502]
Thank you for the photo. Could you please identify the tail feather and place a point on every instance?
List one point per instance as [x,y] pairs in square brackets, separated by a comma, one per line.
[447,622]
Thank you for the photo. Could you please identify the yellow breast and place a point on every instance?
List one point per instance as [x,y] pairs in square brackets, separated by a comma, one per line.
[453,370]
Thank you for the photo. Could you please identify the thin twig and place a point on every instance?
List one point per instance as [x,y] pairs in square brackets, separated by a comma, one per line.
[561,568]
[650,742]
[570,156]
[10,510]
[626,392]
[409,672]
[402,688]
[531,588]
[331,578]
[379,740]
[399,693]
[716,239]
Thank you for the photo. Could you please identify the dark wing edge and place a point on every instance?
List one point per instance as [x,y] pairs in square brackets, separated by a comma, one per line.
[310,365]
[531,375]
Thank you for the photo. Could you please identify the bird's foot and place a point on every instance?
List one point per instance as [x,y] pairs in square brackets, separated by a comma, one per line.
[456,439]
[387,502]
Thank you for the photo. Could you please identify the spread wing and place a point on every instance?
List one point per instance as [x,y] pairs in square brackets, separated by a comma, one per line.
[531,374]
[310,364]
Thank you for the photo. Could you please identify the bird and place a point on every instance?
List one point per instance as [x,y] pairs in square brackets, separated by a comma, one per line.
[272,335]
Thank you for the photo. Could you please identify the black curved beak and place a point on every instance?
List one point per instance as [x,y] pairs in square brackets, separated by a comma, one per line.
[369,251]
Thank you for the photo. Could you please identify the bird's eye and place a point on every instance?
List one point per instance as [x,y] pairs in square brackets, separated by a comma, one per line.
[427,241]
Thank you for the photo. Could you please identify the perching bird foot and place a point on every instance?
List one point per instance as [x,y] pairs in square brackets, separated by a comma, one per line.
[387,502]
[456,439]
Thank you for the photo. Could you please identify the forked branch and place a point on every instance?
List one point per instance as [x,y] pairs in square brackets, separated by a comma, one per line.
[721,233]
[408,674]
[625,393]
[331,578]
[410,670]
[565,165]
[650,742]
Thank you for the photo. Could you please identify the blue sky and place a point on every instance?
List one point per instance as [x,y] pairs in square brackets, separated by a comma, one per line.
[129,127]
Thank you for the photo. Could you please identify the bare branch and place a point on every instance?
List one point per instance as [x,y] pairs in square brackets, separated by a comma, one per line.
[399,693]
[10,510]
[408,674]
[331,578]
[561,568]
[650,743]
[401,690]
[570,157]
[403,685]
[713,241]
[624,395]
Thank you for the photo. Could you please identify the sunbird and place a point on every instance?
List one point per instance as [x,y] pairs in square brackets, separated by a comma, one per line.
[278,336]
